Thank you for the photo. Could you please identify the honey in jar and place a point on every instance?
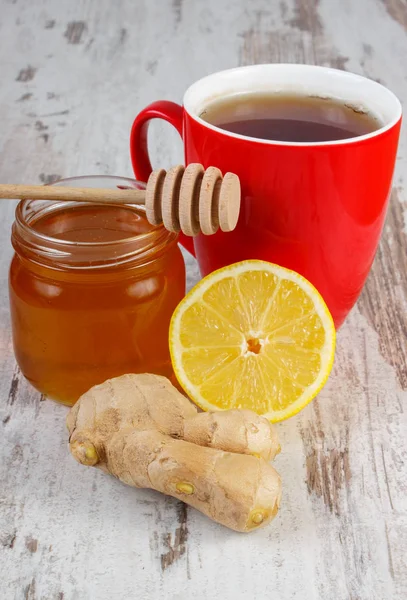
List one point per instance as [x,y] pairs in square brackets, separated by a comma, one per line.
[92,291]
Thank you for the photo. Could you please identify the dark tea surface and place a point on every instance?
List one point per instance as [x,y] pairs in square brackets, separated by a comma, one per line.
[289,118]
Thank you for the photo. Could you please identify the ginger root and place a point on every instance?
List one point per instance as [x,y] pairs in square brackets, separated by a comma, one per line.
[140,429]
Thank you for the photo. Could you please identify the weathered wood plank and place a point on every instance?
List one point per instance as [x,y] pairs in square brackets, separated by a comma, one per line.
[73,77]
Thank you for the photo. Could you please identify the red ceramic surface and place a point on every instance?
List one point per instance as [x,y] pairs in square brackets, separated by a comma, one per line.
[317,208]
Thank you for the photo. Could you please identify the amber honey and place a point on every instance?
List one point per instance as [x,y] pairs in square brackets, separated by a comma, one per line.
[92,291]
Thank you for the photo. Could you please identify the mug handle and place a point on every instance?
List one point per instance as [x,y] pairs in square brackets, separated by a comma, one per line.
[173,114]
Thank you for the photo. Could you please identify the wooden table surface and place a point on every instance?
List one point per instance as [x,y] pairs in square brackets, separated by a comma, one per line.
[73,76]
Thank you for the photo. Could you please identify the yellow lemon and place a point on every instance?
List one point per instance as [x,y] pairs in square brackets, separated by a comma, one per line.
[253,335]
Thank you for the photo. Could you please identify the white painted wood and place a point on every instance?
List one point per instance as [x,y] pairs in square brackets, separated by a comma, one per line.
[73,76]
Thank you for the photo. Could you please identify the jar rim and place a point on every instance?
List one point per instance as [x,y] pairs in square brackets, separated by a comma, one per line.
[135,247]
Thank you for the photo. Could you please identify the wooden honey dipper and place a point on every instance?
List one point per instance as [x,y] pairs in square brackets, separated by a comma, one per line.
[191,199]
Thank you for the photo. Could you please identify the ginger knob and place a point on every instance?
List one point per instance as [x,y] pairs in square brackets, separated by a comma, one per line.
[85,453]
[185,488]
[140,429]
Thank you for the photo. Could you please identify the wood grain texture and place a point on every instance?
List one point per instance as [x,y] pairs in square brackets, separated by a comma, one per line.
[74,74]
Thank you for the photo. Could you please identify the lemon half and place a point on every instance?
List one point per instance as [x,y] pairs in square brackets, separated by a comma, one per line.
[253,335]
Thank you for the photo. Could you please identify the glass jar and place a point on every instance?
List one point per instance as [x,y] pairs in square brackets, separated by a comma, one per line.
[92,291]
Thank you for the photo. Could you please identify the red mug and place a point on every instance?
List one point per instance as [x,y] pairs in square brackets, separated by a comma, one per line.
[317,208]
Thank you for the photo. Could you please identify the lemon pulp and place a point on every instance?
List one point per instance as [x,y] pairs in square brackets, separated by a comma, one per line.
[253,335]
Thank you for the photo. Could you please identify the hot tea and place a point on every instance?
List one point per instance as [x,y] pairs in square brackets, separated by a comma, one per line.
[289,117]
